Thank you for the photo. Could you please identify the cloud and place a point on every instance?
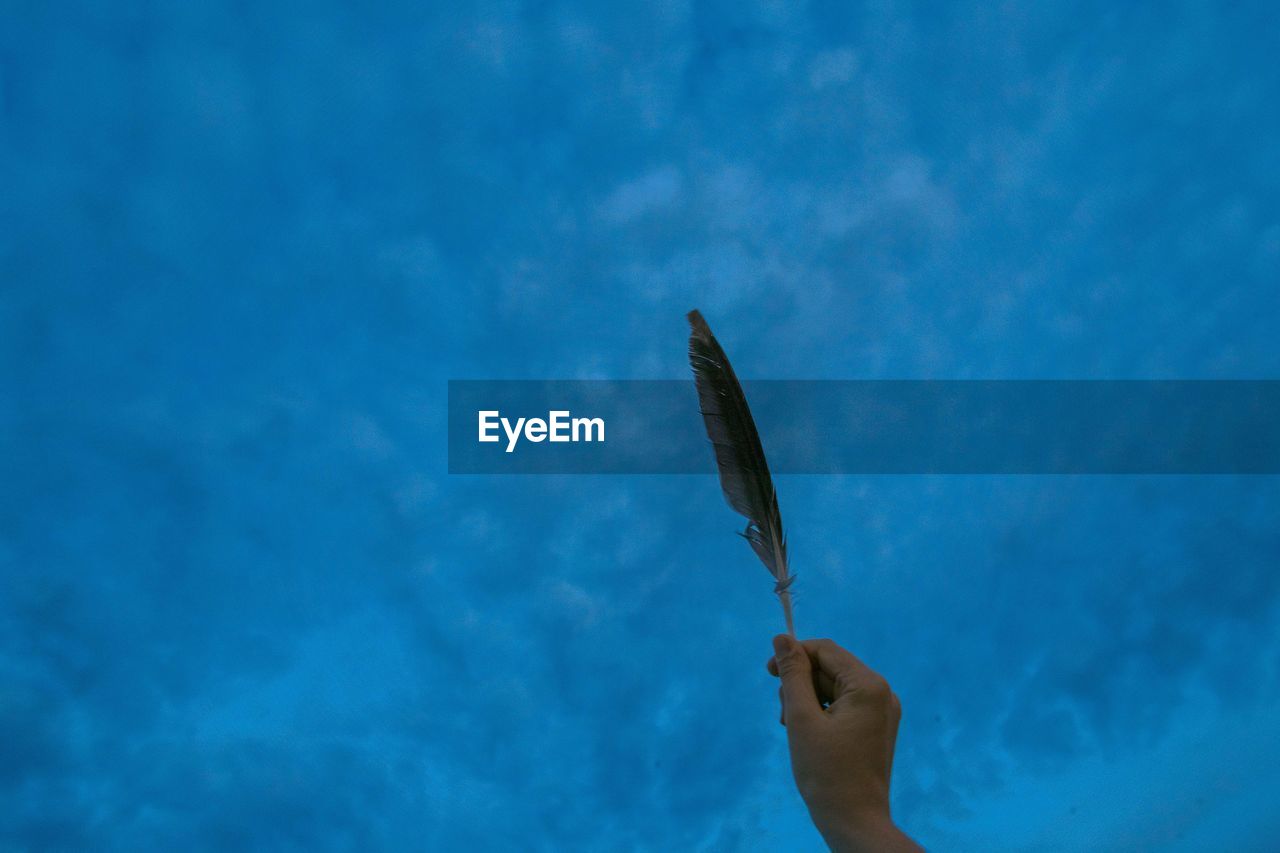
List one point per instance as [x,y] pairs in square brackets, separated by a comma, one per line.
[833,68]
[654,191]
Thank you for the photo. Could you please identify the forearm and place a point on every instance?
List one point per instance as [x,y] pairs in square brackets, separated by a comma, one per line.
[870,834]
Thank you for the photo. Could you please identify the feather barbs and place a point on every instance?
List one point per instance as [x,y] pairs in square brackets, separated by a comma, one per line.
[740,460]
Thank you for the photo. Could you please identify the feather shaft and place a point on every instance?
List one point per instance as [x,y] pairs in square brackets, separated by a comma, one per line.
[740,460]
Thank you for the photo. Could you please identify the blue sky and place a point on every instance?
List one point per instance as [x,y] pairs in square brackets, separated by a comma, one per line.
[243,247]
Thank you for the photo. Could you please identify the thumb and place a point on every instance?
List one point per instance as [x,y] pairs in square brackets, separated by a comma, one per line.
[799,701]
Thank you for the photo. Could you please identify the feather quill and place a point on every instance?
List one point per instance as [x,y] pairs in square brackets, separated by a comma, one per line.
[744,473]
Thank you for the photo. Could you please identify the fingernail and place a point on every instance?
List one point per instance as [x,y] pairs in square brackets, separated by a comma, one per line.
[782,645]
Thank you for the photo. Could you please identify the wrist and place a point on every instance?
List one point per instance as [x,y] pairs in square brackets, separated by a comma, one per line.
[861,832]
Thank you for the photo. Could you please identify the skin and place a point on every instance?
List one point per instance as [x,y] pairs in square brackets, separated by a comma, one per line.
[842,725]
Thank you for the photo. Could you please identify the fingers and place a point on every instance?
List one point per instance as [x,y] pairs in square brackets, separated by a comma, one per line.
[833,659]
[799,700]
[822,683]
[849,675]
[819,674]
[895,717]
[838,672]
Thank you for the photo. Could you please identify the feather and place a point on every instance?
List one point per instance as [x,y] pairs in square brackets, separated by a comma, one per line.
[744,473]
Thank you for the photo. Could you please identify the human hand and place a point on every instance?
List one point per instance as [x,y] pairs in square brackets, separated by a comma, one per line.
[842,725]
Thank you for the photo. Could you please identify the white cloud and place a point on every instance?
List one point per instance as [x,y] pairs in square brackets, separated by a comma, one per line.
[656,190]
[833,68]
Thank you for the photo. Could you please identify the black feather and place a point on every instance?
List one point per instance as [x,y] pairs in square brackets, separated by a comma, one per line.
[744,473]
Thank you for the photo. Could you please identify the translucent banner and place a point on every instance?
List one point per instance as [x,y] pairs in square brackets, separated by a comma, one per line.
[873,427]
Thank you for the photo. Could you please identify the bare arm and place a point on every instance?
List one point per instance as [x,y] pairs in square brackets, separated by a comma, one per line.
[841,754]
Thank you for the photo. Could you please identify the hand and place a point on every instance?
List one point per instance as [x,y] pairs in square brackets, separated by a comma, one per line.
[842,724]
